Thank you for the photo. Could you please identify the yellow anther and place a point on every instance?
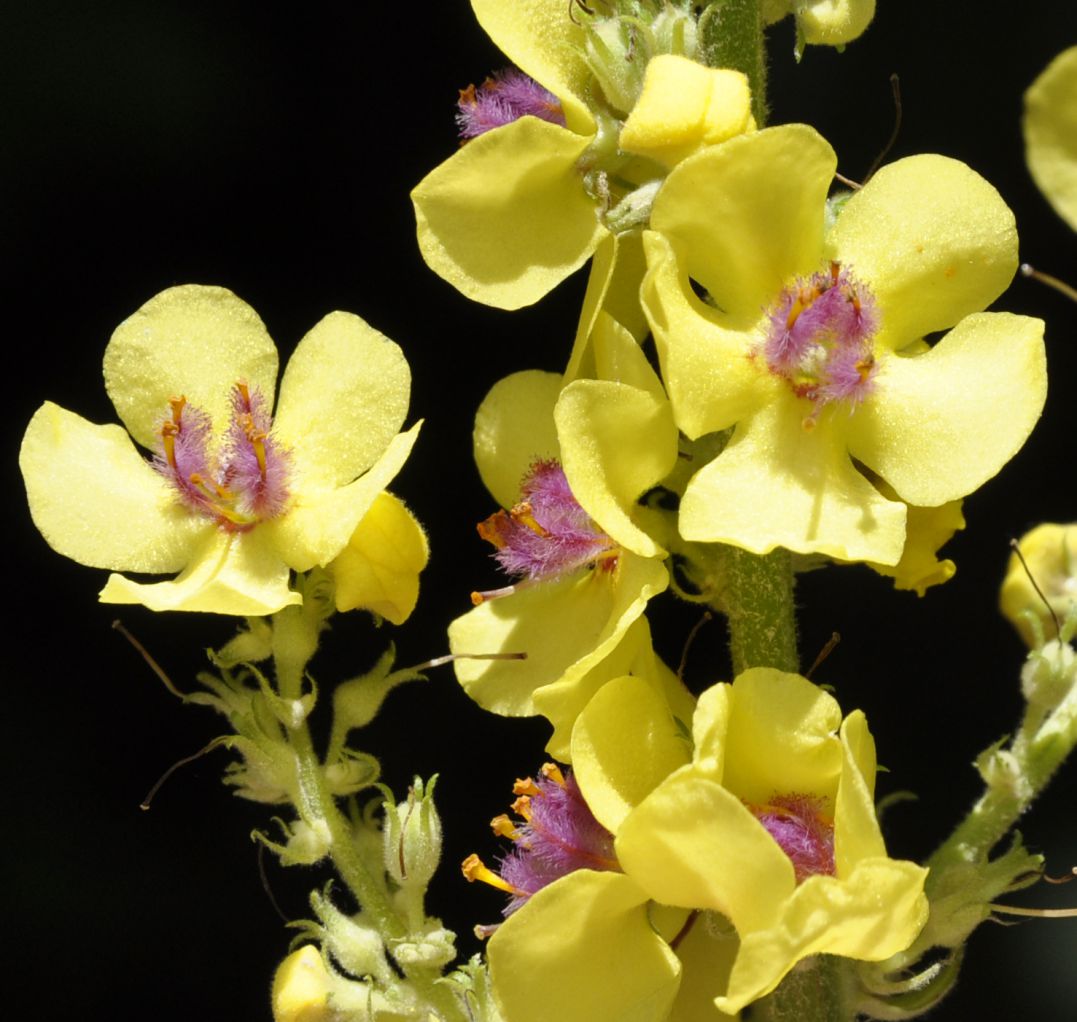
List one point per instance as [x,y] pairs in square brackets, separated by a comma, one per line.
[522,514]
[522,807]
[552,772]
[525,786]
[502,826]
[474,869]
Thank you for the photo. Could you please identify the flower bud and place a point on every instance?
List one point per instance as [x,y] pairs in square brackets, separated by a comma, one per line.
[358,948]
[1050,553]
[433,948]
[412,837]
[301,988]
[1049,675]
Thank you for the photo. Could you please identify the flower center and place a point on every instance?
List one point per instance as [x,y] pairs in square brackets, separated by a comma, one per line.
[820,336]
[803,832]
[246,482]
[547,534]
[558,835]
[504,97]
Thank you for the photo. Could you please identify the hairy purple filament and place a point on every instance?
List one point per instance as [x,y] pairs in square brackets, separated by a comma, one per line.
[547,534]
[504,97]
[559,835]
[801,830]
[819,337]
[247,481]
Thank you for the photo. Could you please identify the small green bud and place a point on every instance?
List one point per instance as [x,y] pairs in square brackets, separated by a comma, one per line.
[1002,772]
[433,948]
[412,836]
[252,644]
[1049,675]
[358,948]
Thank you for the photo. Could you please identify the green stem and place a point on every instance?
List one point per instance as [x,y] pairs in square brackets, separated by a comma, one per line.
[817,990]
[731,35]
[757,599]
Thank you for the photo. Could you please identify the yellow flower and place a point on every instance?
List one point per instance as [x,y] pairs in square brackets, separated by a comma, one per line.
[1050,552]
[301,988]
[758,848]
[808,342]
[522,205]
[585,454]
[236,498]
[823,22]
[1050,127]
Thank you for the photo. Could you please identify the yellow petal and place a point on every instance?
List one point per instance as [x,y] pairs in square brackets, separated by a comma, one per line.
[562,701]
[782,738]
[506,218]
[583,949]
[189,341]
[613,283]
[707,952]
[230,573]
[926,530]
[748,214]
[779,484]
[545,42]
[617,439]
[834,22]
[1050,552]
[1050,127]
[96,500]
[871,915]
[693,843]
[624,745]
[343,397]
[933,241]
[941,424]
[712,380]
[684,106]
[379,568]
[565,627]
[301,988]
[319,523]
[514,427]
[856,827]
[710,726]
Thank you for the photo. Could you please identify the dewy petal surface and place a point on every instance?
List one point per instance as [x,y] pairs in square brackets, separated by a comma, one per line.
[712,381]
[321,521]
[95,499]
[748,215]
[932,239]
[624,744]
[778,484]
[343,397]
[693,843]
[229,574]
[506,218]
[565,626]
[190,341]
[542,40]
[580,950]
[942,423]
[1050,128]
[514,427]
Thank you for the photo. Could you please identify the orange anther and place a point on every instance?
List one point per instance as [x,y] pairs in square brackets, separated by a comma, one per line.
[552,772]
[525,786]
[522,807]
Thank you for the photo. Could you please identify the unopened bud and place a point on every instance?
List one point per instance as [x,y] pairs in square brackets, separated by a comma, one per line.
[412,837]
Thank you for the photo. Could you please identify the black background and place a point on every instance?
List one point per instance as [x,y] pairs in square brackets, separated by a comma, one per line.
[270,148]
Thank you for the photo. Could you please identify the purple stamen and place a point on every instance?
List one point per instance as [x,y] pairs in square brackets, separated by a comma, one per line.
[247,481]
[796,823]
[819,338]
[547,534]
[560,836]
[503,98]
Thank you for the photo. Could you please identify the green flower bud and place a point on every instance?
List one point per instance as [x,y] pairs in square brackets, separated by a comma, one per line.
[357,947]
[433,948]
[412,837]
[1049,675]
